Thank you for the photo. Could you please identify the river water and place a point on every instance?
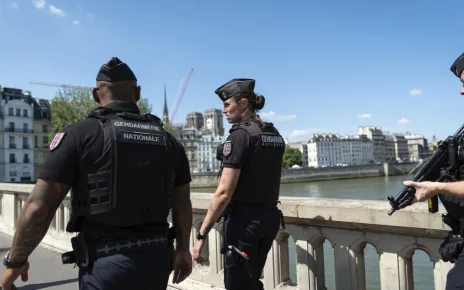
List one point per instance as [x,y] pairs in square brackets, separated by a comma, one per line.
[376,188]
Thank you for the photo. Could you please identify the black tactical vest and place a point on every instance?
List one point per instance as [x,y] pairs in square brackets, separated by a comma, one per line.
[259,181]
[130,184]
[453,204]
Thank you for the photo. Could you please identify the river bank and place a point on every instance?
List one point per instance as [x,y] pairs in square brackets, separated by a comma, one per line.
[209,179]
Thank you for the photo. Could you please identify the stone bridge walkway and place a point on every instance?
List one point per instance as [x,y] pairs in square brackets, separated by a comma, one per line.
[46,271]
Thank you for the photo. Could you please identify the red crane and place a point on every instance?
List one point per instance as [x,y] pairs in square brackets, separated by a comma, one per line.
[181,95]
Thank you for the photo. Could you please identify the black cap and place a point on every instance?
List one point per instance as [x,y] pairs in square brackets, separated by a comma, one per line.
[235,86]
[115,71]
[458,66]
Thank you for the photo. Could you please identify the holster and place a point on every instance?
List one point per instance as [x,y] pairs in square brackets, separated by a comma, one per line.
[282,219]
[83,254]
[234,255]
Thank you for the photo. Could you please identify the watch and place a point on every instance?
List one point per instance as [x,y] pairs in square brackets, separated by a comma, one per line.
[12,264]
[200,236]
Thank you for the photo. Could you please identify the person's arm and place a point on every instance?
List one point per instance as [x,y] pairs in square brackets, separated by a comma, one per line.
[182,215]
[35,218]
[53,183]
[181,204]
[221,198]
[451,188]
[235,154]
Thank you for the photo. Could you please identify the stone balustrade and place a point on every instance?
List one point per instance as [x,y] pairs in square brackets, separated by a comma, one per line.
[347,225]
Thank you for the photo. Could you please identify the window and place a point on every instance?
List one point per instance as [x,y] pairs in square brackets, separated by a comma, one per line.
[45,140]
[12,158]
[25,127]
[12,127]
[45,128]
[25,143]
[18,112]
[26,158]
[10,111]
[36,141]
[25,113]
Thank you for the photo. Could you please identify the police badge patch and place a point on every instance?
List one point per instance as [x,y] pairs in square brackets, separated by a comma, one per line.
[56,141]
[227,148]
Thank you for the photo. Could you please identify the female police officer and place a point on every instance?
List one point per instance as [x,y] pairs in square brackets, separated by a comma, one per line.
[249,187]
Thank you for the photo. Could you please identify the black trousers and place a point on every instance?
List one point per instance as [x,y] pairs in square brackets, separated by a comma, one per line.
[455,278]
[137,268]
[252,229]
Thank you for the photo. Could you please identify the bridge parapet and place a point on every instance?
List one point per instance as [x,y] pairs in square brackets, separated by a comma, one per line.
[348,225]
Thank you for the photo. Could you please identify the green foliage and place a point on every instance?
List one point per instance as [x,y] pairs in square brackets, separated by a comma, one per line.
[72,105]
[292,156]
[169,128]
[144,106]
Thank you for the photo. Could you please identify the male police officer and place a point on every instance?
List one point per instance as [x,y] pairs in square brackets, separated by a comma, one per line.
[452,197]
[124,171]
[250,182]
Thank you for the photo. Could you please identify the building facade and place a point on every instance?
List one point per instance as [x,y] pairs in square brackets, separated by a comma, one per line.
[327,150]
[42,129]
[418,147]
[207,149]
[17,108]
[376,135]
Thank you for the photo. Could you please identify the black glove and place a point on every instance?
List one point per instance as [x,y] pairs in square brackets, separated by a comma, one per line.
[451,247]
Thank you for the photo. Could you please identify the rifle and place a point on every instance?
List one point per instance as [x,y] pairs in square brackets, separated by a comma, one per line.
[437,168]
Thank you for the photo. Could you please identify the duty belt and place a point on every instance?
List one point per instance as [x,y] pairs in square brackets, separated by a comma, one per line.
[84,254]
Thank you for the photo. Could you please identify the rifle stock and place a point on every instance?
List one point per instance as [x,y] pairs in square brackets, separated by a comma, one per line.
[431,170]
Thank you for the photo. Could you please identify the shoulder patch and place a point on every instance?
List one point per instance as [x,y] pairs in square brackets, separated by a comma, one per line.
[56,141]
[227,148]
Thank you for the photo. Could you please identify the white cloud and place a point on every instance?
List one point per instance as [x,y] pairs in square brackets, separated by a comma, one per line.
[14,5]
[273,116]
[302,134]
[56,11]
[416,92]
[75,22]
[39,4]
[403,121]
[364,116]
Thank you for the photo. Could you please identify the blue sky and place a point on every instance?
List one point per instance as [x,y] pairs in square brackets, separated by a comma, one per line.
[323,66]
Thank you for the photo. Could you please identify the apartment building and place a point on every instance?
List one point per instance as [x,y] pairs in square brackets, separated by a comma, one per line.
[42,130]
[17,156]
[325,150]
[207,149]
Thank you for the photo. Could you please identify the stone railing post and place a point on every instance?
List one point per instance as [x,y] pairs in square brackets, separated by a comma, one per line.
[276,269]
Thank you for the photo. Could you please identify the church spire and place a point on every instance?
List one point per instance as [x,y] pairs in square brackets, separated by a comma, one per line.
[165,110]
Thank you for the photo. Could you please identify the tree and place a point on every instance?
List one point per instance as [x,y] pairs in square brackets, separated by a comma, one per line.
[292,156]
[169,128]
[144,106]
[72,105]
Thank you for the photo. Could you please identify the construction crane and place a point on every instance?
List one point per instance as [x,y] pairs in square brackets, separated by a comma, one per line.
[59,85]
[181,95]
[176,106]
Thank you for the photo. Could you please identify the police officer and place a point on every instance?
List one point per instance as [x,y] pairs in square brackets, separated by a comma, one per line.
[124,172]
[249,186]
[452,197]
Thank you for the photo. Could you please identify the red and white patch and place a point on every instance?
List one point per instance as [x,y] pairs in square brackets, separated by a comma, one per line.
[56,141]
[227,148]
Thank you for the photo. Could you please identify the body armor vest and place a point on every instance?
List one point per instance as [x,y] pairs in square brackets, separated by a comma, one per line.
[131,182]
[454,172]
[259,181]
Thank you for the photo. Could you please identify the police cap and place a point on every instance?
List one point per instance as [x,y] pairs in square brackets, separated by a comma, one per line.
[115,71]
[235,86]
[458,66]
